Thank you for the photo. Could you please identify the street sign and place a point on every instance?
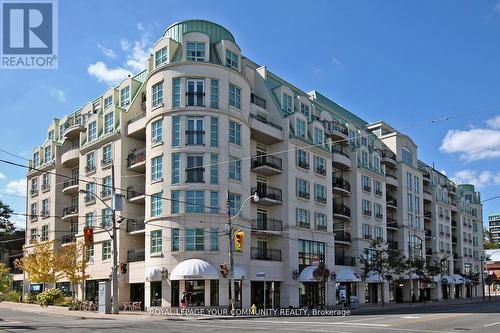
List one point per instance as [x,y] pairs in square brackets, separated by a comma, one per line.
[260,275]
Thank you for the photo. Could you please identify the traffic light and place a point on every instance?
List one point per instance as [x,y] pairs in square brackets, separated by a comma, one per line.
[123,268]
[88,234]
[239,240]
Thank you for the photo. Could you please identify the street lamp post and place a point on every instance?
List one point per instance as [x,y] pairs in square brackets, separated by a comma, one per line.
[231,238]
[114,269]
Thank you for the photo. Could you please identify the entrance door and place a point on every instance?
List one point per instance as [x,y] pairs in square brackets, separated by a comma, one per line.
[373,290]
[272,296]
[137,293]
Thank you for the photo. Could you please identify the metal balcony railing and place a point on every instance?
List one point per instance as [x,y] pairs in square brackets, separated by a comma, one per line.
[258,253]
[342,236]
[135,225]
[341,209]
[136,255]
[345,261]
[136,156]
[257,100]
[70,182]
[70,210]
[263,119]
[267,224]
[267,160]
[268,192]
[340,182]
[69,238]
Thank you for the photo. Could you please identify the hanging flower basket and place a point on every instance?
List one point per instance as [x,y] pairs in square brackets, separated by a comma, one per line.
[321,273]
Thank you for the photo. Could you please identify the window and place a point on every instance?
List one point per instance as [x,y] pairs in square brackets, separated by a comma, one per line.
[156,204]
[45,207]
[379,233]
[195,201]
[300,128]
[320,193]
[175,202]
[378,211]
[214,239]
[378,187]
[90,166]
[417,184]
[195,92]
[45,233]
[320,220]
[214,94]
[176,93]
[157,131]
[106,250]
[36,160]
[367,231]
[156,241]
[407,156]
[107,185]
[286,103]
[47,154]
[195,240]
[176,165]
[302,159]
[51,136]
[318,136]
[33,235]
[319,165]
[410,202]
[108,123]
[214,131]
[108,101]
[89,219]
[304,109]
[107,215]
[376,163]
[231,60]
[303,218]
[34,184]
[107,154]
[195,51]
[409,181]
[234,133]
[175,240]
[161,56]
[302,188]
[364,158]
[125,96]
[33,211]
[90,188]
[157,94]
[92,132]
[214,169]
[234,168]
[234,96]
[234,203]
[214,202]
[89,253]
[366,183]
[156,168]
[417,205]
[62,129]
[176,131]
[195,132]
[195,169]
[367,207]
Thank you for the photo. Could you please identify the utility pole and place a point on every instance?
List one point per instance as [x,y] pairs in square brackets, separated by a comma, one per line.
[114,280]
[482,277]
[231,254]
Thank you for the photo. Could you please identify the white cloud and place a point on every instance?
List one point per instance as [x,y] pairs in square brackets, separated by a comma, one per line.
[16,187]
[496,9]
[140,26]
[107,52]
[108,75]
[336,61]
[124,44]
[2,176]
[475,143]
[57,93]
[481,179]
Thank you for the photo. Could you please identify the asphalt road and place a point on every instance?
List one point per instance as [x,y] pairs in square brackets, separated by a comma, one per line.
[482,318]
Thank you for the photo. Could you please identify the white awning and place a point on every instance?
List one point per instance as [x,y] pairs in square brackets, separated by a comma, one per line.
[239,272]
[374,277]
[412,276]
[347,275]
[446,279]
[459,279]
[153,274]
[194,269]
[307,274]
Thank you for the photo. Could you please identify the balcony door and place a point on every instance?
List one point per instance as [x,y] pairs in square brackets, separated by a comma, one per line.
[262,249]
[261,219]
[195,92]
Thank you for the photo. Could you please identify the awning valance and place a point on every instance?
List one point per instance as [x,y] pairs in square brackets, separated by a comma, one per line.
[459,279]
[347,275]
[153,274]
[446,279]
[194,269]
[374,277]
[307,274]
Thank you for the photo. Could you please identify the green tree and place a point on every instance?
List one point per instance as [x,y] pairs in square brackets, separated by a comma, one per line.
[74,264]
[5,278]
[7,228]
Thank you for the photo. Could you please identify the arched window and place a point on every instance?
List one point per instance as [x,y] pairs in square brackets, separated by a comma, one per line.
[415,246]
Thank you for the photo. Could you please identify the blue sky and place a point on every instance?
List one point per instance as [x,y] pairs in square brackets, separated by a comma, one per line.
[408,63]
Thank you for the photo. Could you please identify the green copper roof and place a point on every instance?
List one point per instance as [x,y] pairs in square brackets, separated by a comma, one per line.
[215,32]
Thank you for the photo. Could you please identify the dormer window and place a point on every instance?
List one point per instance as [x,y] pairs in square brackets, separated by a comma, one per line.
[51,135]
[36,160]
[195,51]
[47,154]
[161,56]
[108,101]
[92,132]
[125,96]
[304,109]
[231,60]
[286,103]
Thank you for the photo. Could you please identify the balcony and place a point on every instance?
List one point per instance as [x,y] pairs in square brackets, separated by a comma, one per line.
[342,237]
[391,180]
[68,238]
[70,186]
[427,195]
[265,131]
[341,160]
[345,261]
[267,225]
[428,233]
[455,256]
[341,211]
[136,160]
[320,199]
[393,245]
[388,157]
[341,186]
[268,195]
[257,253]
[136,127]
[392,224]
[427,215]
[335,130]
[71,157]
[136,255]
[136,194]
[453,239]
[69,212]
[133,226]
[392,203]
[73,131]
[426,176]
[303,195]
[428,251]
[259,101]
[267,165]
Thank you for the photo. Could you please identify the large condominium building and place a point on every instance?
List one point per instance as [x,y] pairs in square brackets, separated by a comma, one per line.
[202,126]
[494,227]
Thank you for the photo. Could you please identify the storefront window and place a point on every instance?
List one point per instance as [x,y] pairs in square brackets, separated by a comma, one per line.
[214,292]
[174,288]
[237,293]
[155,288]
[195,292]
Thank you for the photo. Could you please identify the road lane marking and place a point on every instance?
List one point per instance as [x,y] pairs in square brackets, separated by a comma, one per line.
[351,323]
[410,317]
[492,324]
[209,325]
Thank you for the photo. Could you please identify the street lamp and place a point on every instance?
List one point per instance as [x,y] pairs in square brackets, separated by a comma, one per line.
[114,270]
[230,234]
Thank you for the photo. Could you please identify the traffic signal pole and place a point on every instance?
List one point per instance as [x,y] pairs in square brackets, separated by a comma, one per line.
[114,278]
[231,255]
